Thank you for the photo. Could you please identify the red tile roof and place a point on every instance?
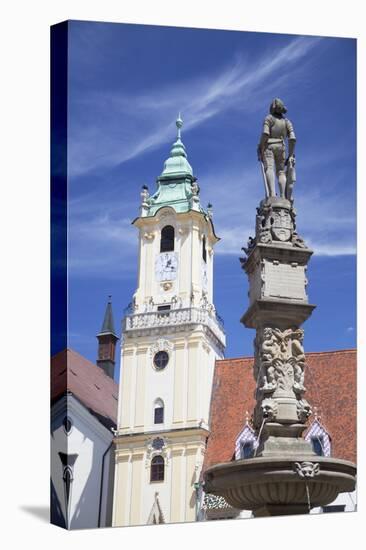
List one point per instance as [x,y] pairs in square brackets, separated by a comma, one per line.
[72,373]
[330,379]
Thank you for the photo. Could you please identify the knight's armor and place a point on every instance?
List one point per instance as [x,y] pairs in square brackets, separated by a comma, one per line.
[277,130]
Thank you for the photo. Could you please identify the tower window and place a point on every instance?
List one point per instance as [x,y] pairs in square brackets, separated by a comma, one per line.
[159,412]
[157,469]
[204,251]
[317,443]
[167,239]
[161,360]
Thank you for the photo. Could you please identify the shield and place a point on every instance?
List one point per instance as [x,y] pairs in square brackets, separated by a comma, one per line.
[282,225]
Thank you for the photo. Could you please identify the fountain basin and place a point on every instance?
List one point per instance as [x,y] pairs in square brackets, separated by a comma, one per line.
[278,486]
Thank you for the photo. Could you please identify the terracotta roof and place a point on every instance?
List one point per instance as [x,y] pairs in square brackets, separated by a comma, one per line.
[73,373]
[330,380]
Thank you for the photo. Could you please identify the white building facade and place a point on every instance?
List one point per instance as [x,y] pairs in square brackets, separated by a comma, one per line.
[171,340]
[81,466]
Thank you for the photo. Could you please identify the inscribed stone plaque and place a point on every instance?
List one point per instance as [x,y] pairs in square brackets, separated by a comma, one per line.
[285,281]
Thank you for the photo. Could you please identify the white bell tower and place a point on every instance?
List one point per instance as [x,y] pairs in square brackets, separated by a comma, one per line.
[171,340]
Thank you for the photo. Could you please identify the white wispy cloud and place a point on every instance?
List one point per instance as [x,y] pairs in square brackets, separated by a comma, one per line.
[108,129]
[102,245]
[326,215]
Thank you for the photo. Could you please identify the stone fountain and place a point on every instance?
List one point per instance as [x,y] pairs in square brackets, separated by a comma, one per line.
[285,476]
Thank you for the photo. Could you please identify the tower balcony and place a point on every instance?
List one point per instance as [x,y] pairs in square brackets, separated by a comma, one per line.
[175,320]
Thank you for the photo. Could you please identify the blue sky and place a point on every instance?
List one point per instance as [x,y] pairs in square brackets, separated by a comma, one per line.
[126,85]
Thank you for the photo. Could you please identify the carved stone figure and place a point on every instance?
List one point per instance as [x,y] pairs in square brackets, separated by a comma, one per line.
[279,369]
[303,410]
[272,151]
[144,194]
[269,409]
[307,470]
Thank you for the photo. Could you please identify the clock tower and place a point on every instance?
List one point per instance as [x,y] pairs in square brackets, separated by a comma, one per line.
[171,339]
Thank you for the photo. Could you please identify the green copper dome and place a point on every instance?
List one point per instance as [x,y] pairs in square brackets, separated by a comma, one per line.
[177,164]
[177,186]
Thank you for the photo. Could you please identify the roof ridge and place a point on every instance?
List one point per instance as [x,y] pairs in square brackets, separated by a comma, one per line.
[251,357]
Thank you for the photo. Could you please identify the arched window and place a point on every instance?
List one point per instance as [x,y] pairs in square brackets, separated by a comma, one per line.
[204,251]
[157,469]
[167,239]
[159,412]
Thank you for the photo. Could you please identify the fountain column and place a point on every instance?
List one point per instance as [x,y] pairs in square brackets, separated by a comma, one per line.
[278,305]
[285,476]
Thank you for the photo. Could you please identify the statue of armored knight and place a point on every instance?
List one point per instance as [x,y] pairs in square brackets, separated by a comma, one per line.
[272,151]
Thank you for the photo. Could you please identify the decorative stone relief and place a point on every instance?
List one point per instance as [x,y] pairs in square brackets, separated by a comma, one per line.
[280,358]
[161,345]
[176,302]
[166,286]
[282,224]
[149,304]
[275,221]
[269,409]
[183,230]
[307,470]
[303,410]
[279,370]
[156,447]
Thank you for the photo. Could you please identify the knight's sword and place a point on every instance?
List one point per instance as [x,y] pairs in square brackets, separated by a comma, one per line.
[264,179]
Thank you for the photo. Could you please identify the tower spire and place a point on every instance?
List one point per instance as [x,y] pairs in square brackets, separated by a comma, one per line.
[108,322]
[107,340]
[177,164]
[179,124]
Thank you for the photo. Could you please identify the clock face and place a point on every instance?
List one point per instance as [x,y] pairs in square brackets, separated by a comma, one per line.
[166,266]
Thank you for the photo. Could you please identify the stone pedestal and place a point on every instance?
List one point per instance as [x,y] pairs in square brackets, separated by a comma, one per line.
[278,305]
[286,476]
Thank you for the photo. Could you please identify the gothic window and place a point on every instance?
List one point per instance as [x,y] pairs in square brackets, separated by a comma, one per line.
[167,239]
[159,412]
[319,438]
[317,445]
[245,443]
[247,449]
[68,479]
[204,251]
[67,424]
[157,469]
[161,360]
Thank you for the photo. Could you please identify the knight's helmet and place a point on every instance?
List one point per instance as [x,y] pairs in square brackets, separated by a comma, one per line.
[277,107]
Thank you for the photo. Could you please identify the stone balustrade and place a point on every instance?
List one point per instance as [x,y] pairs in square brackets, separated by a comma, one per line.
[175,317]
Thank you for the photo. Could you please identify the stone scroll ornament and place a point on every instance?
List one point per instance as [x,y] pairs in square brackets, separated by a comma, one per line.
[279,370]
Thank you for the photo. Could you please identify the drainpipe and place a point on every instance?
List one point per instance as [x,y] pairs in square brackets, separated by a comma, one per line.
[101,482]
[197,488]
